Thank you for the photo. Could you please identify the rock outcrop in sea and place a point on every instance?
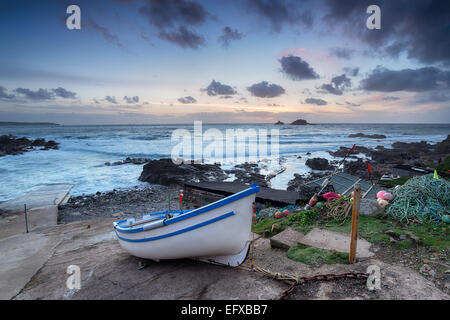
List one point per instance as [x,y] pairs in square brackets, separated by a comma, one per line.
[10,144]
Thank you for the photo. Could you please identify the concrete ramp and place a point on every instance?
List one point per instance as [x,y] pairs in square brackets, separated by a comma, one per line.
[337,241]
[48,195]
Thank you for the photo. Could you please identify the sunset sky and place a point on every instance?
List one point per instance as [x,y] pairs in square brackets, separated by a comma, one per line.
[252,61]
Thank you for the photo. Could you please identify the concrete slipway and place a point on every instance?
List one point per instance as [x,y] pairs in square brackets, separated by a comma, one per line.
[34,265]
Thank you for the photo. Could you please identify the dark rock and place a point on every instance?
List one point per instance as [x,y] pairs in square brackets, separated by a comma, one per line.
[279,123]
[10,144]
[318,164]
[371,136]
[248,173]
[299,122]
[165,172]
[444,146]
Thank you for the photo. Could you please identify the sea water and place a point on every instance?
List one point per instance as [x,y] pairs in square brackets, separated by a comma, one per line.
[84,150]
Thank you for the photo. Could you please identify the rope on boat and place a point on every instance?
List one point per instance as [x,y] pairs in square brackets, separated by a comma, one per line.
[422,199]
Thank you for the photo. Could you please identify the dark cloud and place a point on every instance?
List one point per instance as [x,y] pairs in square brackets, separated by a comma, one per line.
[183,37]
[337,85]
[41,94]
[281,12]
[111,38]
[342,53]
[390,98]
[229,35]
[134,99]
[111,99]
[316,101]
[216,88]
[187,100]
[4,94]
[352,72]
[419,28]
[226,97]
[416,80]
[63,93]
[433,97]
[168,13]
[297,69]
[266,90]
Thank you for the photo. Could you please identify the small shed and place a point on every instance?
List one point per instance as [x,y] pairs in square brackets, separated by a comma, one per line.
[404,170]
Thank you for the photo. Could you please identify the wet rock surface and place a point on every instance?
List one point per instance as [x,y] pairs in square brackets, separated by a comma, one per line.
[319,164]
[10,144]
[371,136]
[248,173]
[299,122]
[165,172]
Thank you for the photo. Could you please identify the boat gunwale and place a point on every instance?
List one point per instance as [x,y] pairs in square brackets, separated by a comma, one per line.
[190,214]
[181,231]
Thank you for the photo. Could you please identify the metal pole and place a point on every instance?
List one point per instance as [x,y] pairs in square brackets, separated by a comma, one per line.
[355,219]
[26,217]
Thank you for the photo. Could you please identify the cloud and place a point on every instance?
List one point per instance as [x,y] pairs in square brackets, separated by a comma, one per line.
[352,104]
[266,90]
[342,53]
[337,85]
[318,101]
[390,98]
[297,69]
[183,37]
[4,95]
[433,96]
[41,94]
[134,99]
[279,13]
[111,38]
[111,99]
[216,88]
[416,80]
[418,28]
[63,93]
[229,35]
[168,13]
[352,72]
[187,100]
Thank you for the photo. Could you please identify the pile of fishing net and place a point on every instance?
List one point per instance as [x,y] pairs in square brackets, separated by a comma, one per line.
[423,199]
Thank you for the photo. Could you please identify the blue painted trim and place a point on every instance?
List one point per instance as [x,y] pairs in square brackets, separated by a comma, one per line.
[214,205]
[171,234]
[192,213]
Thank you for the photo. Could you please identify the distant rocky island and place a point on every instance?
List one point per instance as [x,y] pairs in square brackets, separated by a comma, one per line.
[372,136]
[8,123]
[299,122]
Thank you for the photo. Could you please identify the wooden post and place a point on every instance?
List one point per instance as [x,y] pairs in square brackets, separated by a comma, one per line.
[355,218]
[26,217]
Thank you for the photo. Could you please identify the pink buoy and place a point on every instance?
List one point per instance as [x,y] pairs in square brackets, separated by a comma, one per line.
[380,194]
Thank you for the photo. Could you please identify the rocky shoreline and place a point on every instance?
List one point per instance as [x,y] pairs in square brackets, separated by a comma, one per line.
[164,176]
[12,145]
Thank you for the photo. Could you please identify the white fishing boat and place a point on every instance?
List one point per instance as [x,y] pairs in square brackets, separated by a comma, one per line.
[219,232]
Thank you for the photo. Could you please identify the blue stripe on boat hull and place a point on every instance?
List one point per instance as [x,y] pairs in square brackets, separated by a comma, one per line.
[192,213]
[171,234]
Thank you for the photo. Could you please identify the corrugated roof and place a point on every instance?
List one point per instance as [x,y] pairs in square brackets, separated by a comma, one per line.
[343,184]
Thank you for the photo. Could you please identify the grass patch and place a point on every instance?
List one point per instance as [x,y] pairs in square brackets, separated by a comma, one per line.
[315,256]
[435,237]
[444,166]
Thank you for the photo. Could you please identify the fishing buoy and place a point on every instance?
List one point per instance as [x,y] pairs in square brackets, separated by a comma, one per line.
[382,203]
[380,194]
[387,196]
[278,215]
[286,213]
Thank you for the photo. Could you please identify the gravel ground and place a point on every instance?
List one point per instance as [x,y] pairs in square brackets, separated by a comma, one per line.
[118,204]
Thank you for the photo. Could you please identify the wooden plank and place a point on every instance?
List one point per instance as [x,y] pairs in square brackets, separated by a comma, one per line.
[355,220]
